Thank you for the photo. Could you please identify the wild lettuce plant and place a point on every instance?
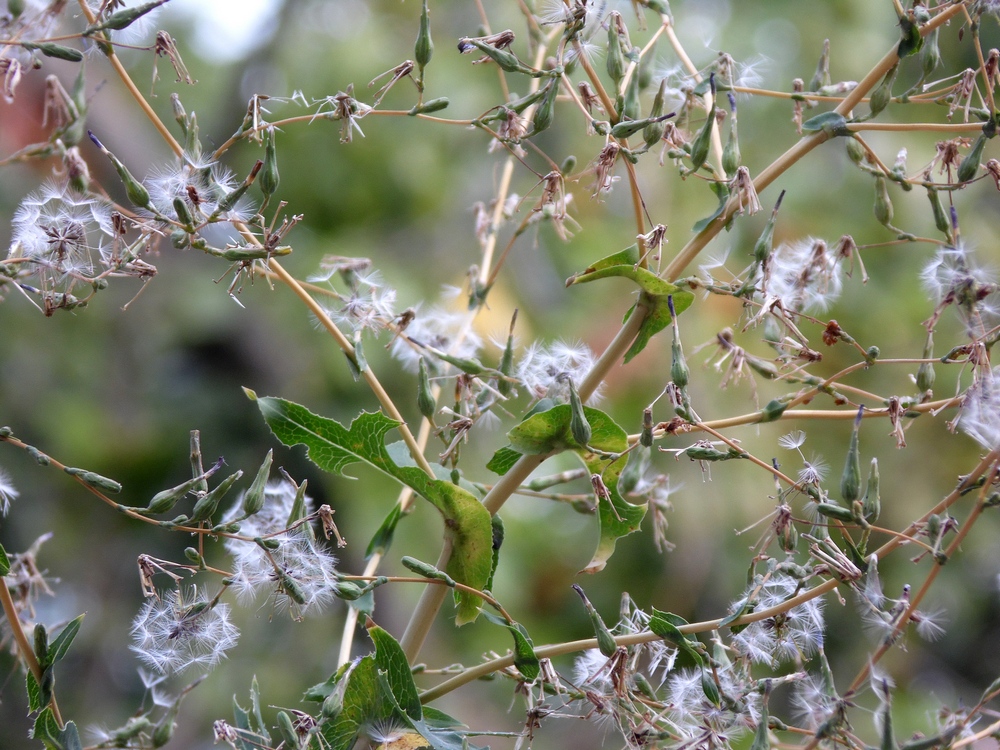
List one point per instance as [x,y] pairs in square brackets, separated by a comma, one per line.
[629,88]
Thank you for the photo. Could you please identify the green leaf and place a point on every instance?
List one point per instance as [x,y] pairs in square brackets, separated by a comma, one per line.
[653,294]
[331,446]
[252,732]
[382,538]
[503,460]
[60,645]
[4,562]
[550,431]
[467,524]
[831,123]
[34,692]
[46,730]
[391,660]
[665,625]
[524,651]
[426,734]
[722,193]
[498,533]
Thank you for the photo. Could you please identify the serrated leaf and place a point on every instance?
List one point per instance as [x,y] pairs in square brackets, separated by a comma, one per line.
[722,194]
[60,645]
[331,446]
[4,562]
[665,625]
[524,651]
[831,123]
[34,692]
[653,295]
[503,460]
[391,660]
[46,730]
[468,526]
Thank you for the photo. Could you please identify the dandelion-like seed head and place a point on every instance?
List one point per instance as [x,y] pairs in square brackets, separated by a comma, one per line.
[804,275]
[787,636]
[440,329]
[546,371]
[61,230]
[183,630]
[201,185]
[7,492]
[980,416]
[953,276]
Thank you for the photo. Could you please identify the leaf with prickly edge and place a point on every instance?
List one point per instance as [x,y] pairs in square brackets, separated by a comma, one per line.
[34,692]
[425,734]
[524,651]
[330,445]
[363,705]
[4,562]
[653,294]
[467,523]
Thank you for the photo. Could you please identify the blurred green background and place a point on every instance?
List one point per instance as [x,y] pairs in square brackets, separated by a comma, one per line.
[118,391]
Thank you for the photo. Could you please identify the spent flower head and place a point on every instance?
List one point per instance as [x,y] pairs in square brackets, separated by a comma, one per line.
[804,275]
[792,635]
[980,417]
[183,630]
[546,371]
[438,328]
[7,492]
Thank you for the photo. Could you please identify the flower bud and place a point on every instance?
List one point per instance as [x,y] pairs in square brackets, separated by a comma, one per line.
[269,173]
[616,55]
[630,106]
[505,386]
[731,157]
[925,373]
[646,436]
[703,140]
[431,105]
[822,75]
[208,503]
[427,570]
[193,556]
[850,480]
[134,189]
[253,499]
[883,204]
[970,164]
[94,480]
[425,399]
[41,645]
[546,109]
[872,504]
[765,243]
[15,8]
[653,132]
[123,18]
[628,480]
[423,49]
[605,641]
[882,94]
[930,53]
[855,151]
[578,424]
[287,730]
[836,512]
[940,218]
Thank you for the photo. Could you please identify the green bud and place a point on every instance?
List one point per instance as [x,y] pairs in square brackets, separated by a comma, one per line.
[578,424]
[348,590]
[134,189]
[703,140]
[568,165]
[180,115]
[425,399]
[850,480]
[181,209]
[628,128]
[940,218]
[423,49]
[56,51]
[546,109]
[431,105]
[135,726]
[930,53]
[855,151]
[788,537]
[15,8]
[506,368]
[164,731]
[883,204]
[208,503]
[709,688]
[269,174]
[646,436]
[836,512]
[925,373]
[631,107]
[293,591]
[616,55]
[765,243]
[872,504]
[194,556]
[605,641]
[882,94]
[40,458]
[42,645]
[164,501]
[872,353]
[360,361]
[632,473]
[822,75]
[253,500]
[427,570]
[231,198]
[123,18]
[94,480]
[970,164]
[287,731]
[773,410]
[653,132]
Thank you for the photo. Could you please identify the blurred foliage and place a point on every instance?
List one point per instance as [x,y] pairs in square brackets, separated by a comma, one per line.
[118,391]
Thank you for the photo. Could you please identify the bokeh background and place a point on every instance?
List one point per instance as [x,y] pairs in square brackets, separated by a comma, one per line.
[118,391]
